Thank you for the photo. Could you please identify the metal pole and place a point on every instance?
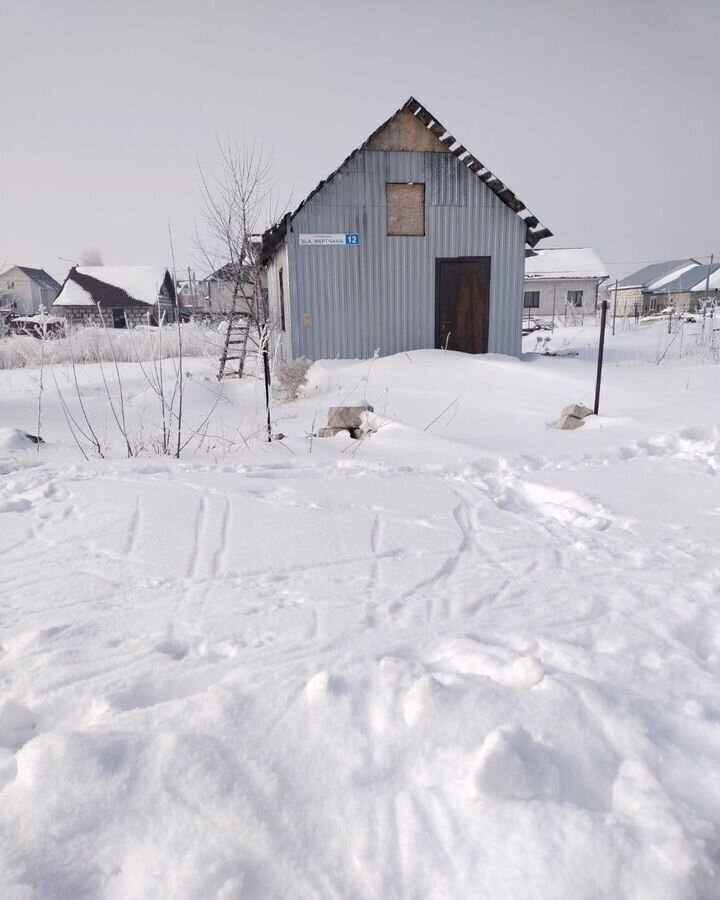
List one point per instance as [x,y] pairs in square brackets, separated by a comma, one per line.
[552,326]
[266,373]
[707,280]
[615,305]
[601,348]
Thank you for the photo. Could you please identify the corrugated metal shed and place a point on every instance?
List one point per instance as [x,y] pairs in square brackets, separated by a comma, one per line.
[381,294]
[349,301]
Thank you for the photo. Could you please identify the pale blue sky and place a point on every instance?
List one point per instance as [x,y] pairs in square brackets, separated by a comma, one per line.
[602,116]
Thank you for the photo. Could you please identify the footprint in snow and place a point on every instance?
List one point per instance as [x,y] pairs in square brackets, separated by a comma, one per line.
[513,766]
[18,725]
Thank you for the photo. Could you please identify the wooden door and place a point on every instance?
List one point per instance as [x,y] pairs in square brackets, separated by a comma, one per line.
[462,303]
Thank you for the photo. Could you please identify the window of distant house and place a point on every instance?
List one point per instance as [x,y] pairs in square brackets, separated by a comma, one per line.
[574,298]
[532,299]
[405,205]
[282,301]
[119,320]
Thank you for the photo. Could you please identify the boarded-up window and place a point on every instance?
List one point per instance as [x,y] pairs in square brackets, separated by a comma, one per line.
[405,209]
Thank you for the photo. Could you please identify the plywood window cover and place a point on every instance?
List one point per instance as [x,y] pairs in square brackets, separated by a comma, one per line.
[405,209]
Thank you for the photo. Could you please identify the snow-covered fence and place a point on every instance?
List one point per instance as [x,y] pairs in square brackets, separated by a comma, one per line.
[95,344]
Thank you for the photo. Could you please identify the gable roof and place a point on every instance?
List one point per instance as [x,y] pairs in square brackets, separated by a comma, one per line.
[570,262]
[39,276]
[651,274]
[692,279]
[229,271]
[439,137]
[713,284]
[115,286]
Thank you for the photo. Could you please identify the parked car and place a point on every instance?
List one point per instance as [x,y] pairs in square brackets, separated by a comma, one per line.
[37,326]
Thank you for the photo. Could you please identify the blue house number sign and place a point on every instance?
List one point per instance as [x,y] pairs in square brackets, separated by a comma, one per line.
[329,240]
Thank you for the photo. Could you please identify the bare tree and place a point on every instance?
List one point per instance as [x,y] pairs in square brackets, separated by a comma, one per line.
[238,203]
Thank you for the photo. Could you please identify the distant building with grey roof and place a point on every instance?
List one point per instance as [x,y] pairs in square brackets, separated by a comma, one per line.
[646,290]
[686,290]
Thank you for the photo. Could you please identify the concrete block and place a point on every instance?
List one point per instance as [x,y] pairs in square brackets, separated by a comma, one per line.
[347,416]
[577,410]
[568,423]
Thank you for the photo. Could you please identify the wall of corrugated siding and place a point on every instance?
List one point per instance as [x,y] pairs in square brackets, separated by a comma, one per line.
[282,341]
[381,294]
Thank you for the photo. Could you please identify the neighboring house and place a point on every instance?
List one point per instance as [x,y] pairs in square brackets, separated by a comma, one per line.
[637,294]
[24,290]
[411,243]
[214,294]
[117,295]
[710,285]
[562,282]
[220,287]
[684,292]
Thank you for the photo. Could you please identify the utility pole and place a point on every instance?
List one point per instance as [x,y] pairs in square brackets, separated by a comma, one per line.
[601,349]
[707,279]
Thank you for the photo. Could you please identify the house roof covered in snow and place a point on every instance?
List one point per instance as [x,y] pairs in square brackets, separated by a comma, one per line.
[572,262]
[115,286]
[714,283]
[39,276]
[535,231]
[655,272]
[228,272]
[692,278]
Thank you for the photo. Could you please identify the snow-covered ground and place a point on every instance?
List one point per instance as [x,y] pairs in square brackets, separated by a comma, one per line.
[468,657]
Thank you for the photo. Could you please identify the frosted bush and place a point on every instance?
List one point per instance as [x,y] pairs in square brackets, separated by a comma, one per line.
[291,378]
[94,343]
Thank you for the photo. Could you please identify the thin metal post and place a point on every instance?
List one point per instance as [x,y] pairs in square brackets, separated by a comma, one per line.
[707,280]
[601,349]
[552,326]
[615,305]
[266,373]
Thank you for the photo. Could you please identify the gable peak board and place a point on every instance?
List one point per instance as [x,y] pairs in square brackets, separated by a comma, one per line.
[405,133]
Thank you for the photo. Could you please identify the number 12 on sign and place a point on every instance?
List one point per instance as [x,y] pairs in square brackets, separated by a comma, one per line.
[352,238]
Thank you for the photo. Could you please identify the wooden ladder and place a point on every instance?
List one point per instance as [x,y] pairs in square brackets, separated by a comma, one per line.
[235,346]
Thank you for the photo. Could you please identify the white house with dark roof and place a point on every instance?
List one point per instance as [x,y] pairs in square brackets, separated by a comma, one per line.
[24,290]
[412,242]
[117,295]
[562,281]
